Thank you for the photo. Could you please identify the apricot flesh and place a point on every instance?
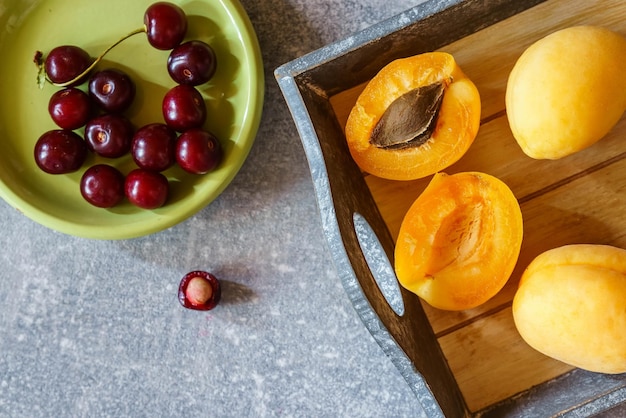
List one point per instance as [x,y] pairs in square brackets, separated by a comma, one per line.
[455,124]
[567,91]
[571,306]
[459,241]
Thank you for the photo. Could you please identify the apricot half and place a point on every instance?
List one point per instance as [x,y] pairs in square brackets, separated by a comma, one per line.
[459,241]
[571,306]
[567,91]
[416,117]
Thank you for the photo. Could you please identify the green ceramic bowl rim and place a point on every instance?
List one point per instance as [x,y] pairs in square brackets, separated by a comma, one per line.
[164,218]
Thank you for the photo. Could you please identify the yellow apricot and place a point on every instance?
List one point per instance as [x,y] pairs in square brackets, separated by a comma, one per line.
[571,306]
[459,241]
[567,91]
[439,95]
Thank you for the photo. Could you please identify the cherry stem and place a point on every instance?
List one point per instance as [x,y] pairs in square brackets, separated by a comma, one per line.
[143,29]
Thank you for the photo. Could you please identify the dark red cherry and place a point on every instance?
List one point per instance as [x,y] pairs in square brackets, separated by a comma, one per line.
[60,151]
[198,151]
[154,146]
[166,25]
[192,63]
[66,62]
[70,108]
[199,290]
[102,185]
[109,135]
[112,90]
[184,108]
[146,189]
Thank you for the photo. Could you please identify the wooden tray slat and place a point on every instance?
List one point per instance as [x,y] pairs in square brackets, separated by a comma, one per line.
[491,364]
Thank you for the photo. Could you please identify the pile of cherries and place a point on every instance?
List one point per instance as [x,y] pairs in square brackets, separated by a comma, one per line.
[179,139]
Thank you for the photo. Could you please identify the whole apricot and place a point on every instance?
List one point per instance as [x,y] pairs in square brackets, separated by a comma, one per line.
[459,241]
[571,306]
[567,91]
[416,117]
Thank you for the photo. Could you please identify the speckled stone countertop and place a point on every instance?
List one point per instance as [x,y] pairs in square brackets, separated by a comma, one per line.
[93,328]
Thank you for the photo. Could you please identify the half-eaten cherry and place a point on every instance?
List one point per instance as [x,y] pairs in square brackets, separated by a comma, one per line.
[199,290]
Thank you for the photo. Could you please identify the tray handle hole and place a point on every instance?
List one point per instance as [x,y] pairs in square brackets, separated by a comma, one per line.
[379,264]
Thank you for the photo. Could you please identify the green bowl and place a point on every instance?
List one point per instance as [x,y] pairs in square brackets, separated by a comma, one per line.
[234,99]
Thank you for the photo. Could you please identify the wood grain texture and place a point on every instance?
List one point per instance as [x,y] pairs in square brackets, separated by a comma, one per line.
[578,199]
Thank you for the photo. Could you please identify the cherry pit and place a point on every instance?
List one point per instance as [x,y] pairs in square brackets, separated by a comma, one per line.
[89,111]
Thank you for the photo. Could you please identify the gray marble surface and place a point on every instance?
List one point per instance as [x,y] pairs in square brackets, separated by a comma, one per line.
[93,328]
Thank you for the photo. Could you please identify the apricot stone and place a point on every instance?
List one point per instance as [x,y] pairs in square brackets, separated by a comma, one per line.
[416,117]
[567,91]
[571,306]
[459,242]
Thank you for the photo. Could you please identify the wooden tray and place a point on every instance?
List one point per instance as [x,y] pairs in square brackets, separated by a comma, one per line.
[469,363]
